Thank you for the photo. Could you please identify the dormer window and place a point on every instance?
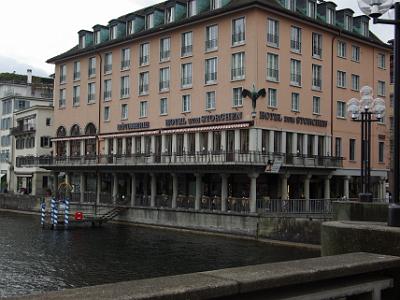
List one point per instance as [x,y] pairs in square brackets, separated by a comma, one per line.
[364,29]
[150,21]
[192,8]
[330,16]
[170,14]
[216,4]
[348,23]
[97,39]
[131,27]
[311,9]
[82,41]
[290,4]
[113,32]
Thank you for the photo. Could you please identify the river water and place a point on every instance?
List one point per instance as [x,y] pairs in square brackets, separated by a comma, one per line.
[36,260]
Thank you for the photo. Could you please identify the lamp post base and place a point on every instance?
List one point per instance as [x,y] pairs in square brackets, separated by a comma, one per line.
[365,197]
[394,215]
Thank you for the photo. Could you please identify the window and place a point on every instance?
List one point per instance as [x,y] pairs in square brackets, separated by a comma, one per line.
[381,61]
[272,97]
[124,111]
[185,103]
[210,100]
[45,142]
[30,142]
[211,70]
[163,106]
[131,27]
[338,147]
[352,149]
[21,104]
[7,107]
[341,49]
[311,9]
[238,31]
[316,77]
[19,143]
[107,89]
[381,88]
[381,152]
[97,37]
[341,109]
[238,63]
[272,67]
[48,121]
[355,53]
[6,141]
[316,45]
[187,44]
[348,22]
[125,87]
[92,67]
[164,79]
[91,92]
[211,38]
[108,63]
[295,39]
[76,95]
[165,49]
[106,113]
[216,4]
[113,32]
[144,83]
[355,82]
[341,79]
[192,8]
[82,41]
[295,72]
[237,97]
[144,55]
[5,123]
[364,29]
[273,33]
[63,73]
[77,70]
[62,99]
[330,16]
[170,14]
[186,75]
[295,102]
[126,58]
[143,109]
[316,104]
[150,21]
[290,4]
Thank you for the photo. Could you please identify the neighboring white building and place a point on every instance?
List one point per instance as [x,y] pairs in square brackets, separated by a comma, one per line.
[16,94]
[32,133]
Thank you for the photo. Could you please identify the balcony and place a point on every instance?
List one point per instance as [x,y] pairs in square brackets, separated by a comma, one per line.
[202,158]
[19,130]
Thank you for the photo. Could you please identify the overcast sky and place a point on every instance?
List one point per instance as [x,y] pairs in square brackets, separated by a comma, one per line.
[33,31]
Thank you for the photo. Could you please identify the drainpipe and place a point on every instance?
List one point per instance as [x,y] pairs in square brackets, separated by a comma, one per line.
[332,87]
[99,104]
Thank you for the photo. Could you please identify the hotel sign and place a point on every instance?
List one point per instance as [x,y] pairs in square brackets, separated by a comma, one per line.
[207,119]
[133,126]
[292,120]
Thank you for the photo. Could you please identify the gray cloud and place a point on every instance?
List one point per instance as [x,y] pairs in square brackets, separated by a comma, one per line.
[8,64]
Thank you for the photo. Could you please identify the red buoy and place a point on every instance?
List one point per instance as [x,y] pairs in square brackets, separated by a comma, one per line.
[78,216]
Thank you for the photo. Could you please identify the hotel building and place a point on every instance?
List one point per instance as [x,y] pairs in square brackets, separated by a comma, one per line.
[149,107]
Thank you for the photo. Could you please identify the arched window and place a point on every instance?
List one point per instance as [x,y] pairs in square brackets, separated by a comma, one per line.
[61,149]
[75,145]
[90,144]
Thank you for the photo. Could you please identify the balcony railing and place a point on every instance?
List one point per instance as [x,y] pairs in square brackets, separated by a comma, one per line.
[186,81]
[295,79]
[317,52]
[273,74]
[107,95]
[237,73]
[273,39]
[143,89]
[107,68]
[144,60]
[295,45]
[63,78]
[164,85]
[238,37]
[92,72]
[164,55]
[77,75]
[198,158]
[211,77]
[125,92]
[211,44]
[23,129]
[187,50]
[125,64]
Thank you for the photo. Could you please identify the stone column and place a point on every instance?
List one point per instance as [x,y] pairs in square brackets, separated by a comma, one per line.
[252,139]
[210,141]
[106,147]
[153,190]
[82,184]
[346,184]
[142,144]
[316,144]
[223,140]
[199,191]
[284,183]
[294,143]
[133,150]
[382,188]
[307,180]
[98,188]
[67,178]
[68,148]
[185,142]
[253,192]
[271,141]
[114,141]
[328,141]
[174,145]
[283,144]
[115,188]
[237,140]
[174,189]
[327,187]
[197,142]
[305,145]
[224,191]
[133,189]
[124,146]
[82,152]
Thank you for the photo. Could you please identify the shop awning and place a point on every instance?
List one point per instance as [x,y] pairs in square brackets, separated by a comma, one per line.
[206,128]
[139,133]
[73,138]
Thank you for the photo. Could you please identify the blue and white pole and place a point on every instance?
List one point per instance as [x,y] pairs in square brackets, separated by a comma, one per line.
[55,214]
[66,212]
[52,206]
[43,213]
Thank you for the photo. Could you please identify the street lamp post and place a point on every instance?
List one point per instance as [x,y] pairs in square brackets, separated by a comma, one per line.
[375,9]
[364,111]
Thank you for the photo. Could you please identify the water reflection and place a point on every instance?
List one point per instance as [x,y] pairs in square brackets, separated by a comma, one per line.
[32,259]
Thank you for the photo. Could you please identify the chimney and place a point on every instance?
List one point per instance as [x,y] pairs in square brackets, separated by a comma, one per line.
[29,76]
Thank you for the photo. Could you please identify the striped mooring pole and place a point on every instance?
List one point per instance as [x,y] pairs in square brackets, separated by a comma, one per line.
[55,213]
[52,205]
[43,213]
[66,212]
